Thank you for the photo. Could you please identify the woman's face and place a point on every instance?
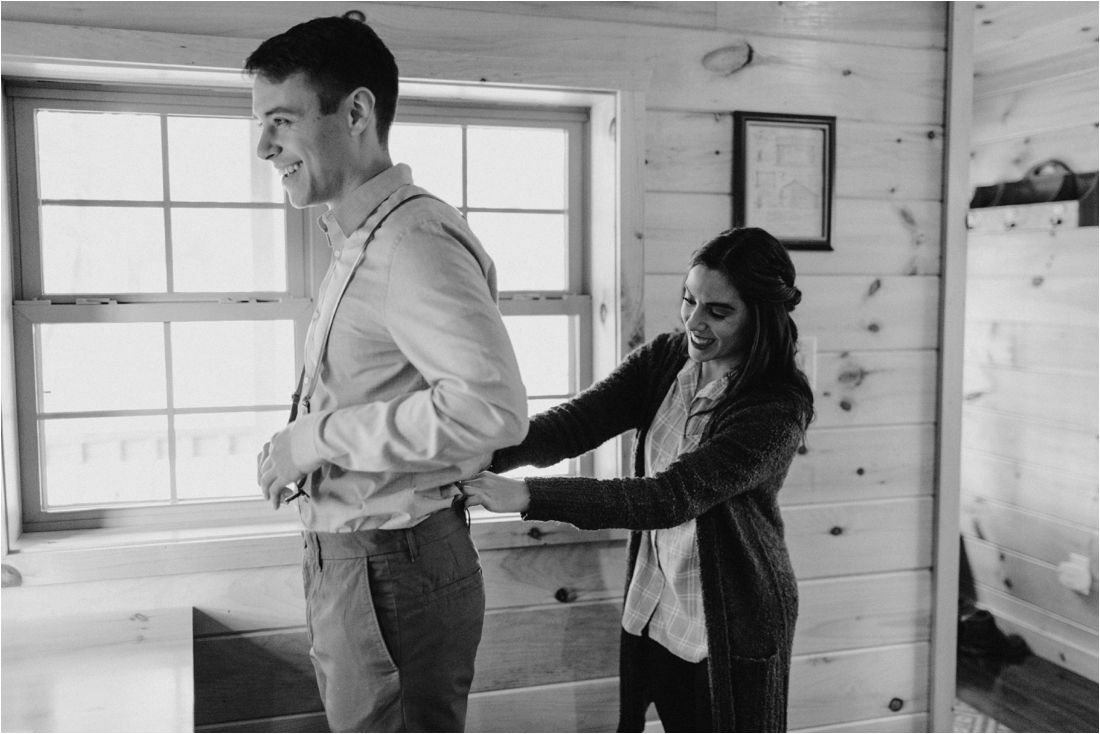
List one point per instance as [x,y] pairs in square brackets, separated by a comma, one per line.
[716,319]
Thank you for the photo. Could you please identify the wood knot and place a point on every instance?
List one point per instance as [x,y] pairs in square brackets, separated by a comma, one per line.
[845,405]
[896,704]
[728,59]
[565,595]
[1037,281]
[836,530]
[535,534]
[860,471]
[10,576]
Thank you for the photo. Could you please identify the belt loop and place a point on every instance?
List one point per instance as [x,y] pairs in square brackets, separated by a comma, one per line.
[410,539]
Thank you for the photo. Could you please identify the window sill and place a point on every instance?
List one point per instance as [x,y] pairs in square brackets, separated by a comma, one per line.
[71,556]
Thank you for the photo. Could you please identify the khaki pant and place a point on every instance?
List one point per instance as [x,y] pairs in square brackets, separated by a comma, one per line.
[394,620]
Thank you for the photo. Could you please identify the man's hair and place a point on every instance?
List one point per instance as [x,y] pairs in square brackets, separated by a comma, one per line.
[338,55]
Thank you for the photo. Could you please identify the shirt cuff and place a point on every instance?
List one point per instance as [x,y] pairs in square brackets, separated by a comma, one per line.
[301,442]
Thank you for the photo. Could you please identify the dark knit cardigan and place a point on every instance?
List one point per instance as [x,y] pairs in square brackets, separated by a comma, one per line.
[728,485]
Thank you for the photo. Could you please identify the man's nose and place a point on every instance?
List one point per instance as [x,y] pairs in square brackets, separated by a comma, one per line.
[265,149]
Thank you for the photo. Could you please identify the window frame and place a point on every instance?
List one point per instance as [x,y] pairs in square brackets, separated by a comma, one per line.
[305,271]
[33,306]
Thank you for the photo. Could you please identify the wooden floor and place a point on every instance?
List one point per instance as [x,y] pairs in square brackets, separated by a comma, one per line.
[1034,695]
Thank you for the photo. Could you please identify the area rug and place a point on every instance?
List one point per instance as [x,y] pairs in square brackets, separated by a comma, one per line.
[968,718]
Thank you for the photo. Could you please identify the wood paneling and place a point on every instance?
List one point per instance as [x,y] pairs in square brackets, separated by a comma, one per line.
[870,236]
[840,312]
[1026,579]
[1040,347]
[691,152]
[1037,300]
[875,388]
[1043,490]
[1058,104]
[1039,537]
[1014,35]
[851,686]
[911,24]
[844,464]
[1061,253]
[1051,446]
[907,722]
[859,537]
[590,705]
[852,81]
[669,14]
[863,611]
[1010,160]
[1046,396]
[1073,60]
[579,572]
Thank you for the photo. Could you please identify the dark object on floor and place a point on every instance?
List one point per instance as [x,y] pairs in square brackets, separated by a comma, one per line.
[1034,695]
[1049,181]
[980,637]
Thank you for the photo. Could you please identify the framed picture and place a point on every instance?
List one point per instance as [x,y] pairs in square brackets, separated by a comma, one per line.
[783,176]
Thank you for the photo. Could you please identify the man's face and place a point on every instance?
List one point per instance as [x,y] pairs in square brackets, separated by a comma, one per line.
[312,152]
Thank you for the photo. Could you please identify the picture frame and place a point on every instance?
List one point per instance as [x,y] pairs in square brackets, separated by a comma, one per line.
[783,173]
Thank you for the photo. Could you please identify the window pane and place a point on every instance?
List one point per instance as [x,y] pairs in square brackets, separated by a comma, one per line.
[99,155]
[105,461]
[528,249]
[228,250]
[543,349]
[91,249]
[102,367]
[216,453]
[232,363]
[214,159]
[435,154]
[516,168]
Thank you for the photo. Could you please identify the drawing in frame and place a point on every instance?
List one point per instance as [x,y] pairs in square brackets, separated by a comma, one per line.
[783,176]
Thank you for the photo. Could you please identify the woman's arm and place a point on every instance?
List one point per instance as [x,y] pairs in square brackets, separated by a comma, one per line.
[611,406]
[753,450]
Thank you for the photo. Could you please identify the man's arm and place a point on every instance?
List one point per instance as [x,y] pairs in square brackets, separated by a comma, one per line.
[442,315]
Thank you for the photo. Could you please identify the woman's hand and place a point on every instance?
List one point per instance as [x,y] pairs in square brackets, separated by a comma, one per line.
[496,493]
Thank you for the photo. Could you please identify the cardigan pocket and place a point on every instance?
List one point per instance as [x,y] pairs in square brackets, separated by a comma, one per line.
[759,687]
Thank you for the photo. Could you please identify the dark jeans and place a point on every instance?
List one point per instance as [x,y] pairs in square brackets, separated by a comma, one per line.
[394,620]
[680,690]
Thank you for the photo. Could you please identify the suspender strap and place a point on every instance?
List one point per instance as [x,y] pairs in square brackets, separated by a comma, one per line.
[298,399]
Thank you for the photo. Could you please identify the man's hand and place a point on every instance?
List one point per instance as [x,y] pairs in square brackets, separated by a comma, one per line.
[275,470]
[496,493]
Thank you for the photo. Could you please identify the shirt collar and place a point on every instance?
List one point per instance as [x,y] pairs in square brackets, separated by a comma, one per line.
[688,379]
[353,212]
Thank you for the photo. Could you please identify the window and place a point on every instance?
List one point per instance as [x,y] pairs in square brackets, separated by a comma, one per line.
[160,292]
[516,176]
[163,287]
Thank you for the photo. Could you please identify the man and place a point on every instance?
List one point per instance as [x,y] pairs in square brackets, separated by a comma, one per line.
[410,392]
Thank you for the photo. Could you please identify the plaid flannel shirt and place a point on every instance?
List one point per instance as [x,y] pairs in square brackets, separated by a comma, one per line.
[665,591]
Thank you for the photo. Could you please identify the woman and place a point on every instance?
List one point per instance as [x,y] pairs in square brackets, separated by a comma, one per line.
[711,598]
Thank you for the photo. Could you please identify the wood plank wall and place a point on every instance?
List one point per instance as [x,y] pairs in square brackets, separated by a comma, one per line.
[859,500]
[1029,468]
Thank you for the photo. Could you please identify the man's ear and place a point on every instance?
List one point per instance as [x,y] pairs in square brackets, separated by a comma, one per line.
[361,111]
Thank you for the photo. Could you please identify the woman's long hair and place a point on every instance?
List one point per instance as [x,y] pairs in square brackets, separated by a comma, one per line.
[758,266]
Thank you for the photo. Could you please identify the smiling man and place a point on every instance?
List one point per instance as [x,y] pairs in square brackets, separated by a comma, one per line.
[409,384]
